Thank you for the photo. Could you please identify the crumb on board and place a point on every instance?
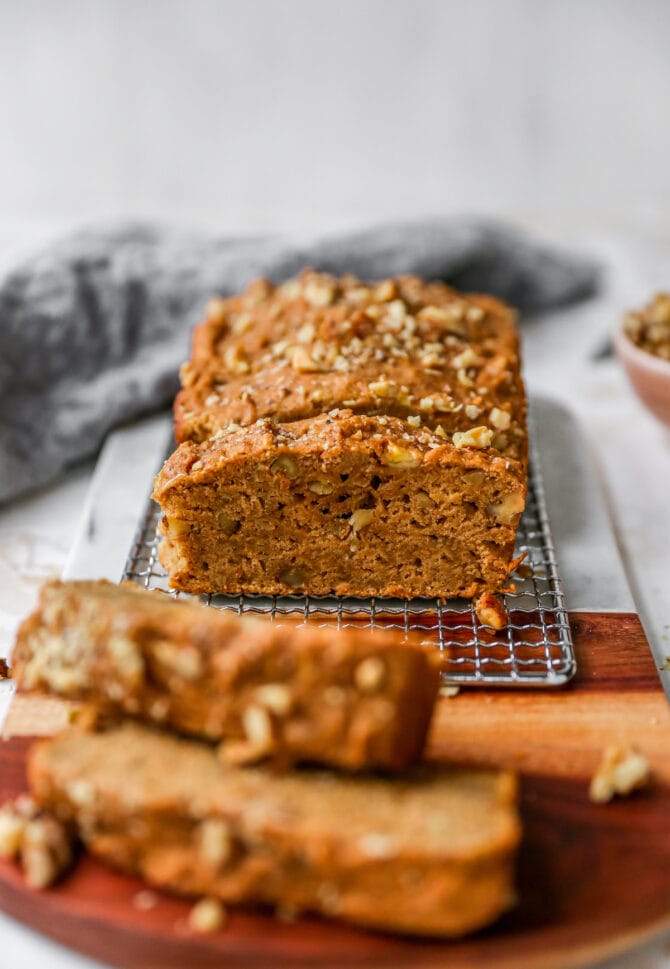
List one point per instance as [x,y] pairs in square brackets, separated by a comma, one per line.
[36,839]
[145,900]
[622,770]
[490,611]
[450,690]
[207,915]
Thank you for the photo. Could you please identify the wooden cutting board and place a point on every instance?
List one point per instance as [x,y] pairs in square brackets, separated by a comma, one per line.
[592,880]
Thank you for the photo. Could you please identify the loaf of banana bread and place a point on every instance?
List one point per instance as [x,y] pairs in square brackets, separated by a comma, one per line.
[352,698]
[347,438]
[430,854]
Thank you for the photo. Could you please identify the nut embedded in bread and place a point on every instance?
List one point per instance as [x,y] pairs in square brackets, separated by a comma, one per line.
[353,698]
[430,854]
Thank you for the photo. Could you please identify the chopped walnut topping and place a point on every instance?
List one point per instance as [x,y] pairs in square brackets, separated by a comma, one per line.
[304,363]
[380,388]
[235,360]
[306,333]
[396,313]
[621,771]
[258,291]
[467,358]
[291,289]
[500,419]
[464,378]
[479,437]
[320,290]
[472,412]
[242,323]
[187,374]
[384,292]
[215,311]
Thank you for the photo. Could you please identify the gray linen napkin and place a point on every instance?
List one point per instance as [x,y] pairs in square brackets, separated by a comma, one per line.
[93,329]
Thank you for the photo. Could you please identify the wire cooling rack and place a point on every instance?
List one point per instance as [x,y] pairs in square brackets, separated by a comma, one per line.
[533,649]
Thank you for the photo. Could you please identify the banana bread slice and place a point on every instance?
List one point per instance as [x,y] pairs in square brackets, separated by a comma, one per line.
[352,698]
[342,503]
[431,854]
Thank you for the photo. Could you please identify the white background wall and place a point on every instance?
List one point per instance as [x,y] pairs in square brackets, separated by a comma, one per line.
[300,114]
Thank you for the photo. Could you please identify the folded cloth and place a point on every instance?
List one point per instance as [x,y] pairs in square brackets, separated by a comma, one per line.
[93,329]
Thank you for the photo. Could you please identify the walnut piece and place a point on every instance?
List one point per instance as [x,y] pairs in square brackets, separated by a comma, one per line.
[490,611]
[285,463]
[292,577]
[215,311]
[320,486]
[479,437]
[46,851]
[396,456]
[500,419]
[621,770]
[235,359]
[507,509]
[207,915]
[360,518]
[303,362]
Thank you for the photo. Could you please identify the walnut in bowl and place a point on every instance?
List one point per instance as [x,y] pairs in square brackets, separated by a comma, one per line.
[643,347]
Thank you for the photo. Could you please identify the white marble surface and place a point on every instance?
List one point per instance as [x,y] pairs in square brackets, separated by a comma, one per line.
[629,449]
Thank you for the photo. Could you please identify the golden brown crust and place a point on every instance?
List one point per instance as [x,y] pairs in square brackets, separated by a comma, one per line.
[286,692]
[400,347]
[431,854]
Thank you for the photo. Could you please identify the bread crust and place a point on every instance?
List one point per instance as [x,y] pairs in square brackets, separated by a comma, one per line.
[278,691]
[431,854]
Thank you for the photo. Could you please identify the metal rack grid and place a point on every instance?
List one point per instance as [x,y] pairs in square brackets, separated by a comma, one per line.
[533,649]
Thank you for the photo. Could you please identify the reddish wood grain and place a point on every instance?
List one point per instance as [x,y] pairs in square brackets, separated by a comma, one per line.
[577,866]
